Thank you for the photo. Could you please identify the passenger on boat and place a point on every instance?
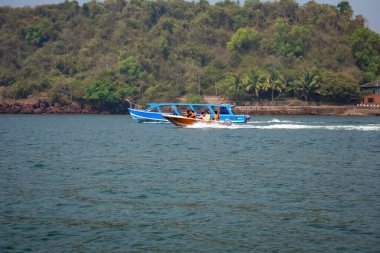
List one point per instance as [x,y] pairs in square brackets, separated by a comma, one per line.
[207,117]
[191,114]
[216,116]
[201,115]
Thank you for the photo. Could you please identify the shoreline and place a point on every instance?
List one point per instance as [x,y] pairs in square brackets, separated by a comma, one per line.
[321,110]
[74,108]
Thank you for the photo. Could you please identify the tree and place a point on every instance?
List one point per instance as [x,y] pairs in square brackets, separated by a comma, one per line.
[18,90]
[193,76]
[161,92]
[251,82]
[103,92]
[227,86]
[243,40]
[366,52]
[308,83]
[289,40]
[130,68]
[274,82]
[6,78]
[106,94]
[38,34]
[345,9]
[64,90]
[164,46]
[338,87]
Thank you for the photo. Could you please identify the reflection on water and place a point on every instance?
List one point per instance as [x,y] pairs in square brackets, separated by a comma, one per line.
[104,183]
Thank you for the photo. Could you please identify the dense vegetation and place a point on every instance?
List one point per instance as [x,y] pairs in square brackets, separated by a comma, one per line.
[103,52]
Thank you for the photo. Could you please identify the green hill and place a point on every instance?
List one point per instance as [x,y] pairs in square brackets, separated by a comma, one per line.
[101,53]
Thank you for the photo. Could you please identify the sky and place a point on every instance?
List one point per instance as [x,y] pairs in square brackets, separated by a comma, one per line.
[367,8]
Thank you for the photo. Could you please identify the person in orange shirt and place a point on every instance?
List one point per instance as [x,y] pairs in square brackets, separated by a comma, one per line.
[191,114]
[216,116]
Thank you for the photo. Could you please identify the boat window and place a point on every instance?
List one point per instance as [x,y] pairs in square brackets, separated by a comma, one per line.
[221,109]
[201,108]
[166,109]
[215,108]
[233,110]
[183,108]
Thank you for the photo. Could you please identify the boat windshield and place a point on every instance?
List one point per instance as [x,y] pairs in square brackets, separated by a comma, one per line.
[153,109]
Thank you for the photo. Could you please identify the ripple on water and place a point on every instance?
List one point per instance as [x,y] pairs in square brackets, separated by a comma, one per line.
[104,183]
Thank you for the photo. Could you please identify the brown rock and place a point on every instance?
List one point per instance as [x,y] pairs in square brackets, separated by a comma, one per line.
[15,108]
[39,111]
[27,109]
[75,108]
[4,108]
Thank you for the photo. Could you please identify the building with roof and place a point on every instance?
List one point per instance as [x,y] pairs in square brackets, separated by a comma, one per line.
[371,93]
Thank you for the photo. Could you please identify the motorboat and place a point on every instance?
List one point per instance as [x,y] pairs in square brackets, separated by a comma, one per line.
[182,121]
[155,111]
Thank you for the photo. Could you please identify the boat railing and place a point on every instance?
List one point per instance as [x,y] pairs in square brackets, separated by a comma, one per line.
[133,105]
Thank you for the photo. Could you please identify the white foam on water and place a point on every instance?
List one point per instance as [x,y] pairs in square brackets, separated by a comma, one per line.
[212,125]
[369,127]
[274,120]
[355,128]
[326,127]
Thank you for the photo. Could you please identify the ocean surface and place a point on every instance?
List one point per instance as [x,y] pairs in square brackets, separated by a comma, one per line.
[97,183]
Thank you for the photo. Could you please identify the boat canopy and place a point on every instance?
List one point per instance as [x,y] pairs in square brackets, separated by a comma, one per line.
[177,108]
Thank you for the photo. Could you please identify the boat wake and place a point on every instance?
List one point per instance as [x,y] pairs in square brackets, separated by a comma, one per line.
[325,127]
[275,120]
[291,125]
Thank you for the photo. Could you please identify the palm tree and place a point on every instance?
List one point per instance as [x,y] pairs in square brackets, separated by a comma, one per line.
[252,81]
[274,82]
[308,83]
[263,86]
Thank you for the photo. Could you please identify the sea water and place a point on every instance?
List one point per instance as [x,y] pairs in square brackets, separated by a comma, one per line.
[82,183]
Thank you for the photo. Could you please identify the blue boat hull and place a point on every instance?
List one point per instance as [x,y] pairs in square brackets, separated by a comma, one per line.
[144,116]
